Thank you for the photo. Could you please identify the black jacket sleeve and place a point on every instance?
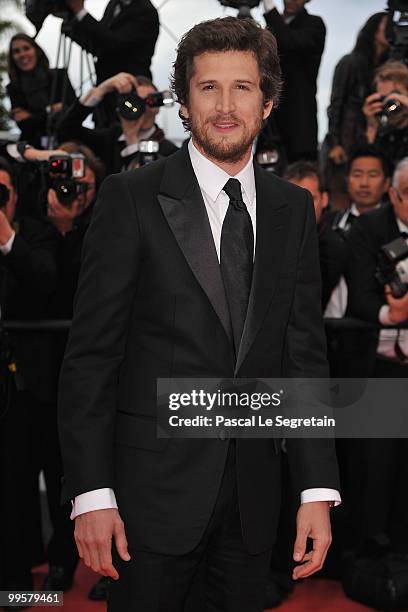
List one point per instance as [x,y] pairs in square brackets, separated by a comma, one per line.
[312,461]
[311,37]
[32,258]
[96,345]
[135,31]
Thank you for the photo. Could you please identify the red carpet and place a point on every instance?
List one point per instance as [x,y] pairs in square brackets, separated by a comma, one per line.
[309,596]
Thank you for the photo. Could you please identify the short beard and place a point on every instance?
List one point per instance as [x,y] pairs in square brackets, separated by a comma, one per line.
[223,151]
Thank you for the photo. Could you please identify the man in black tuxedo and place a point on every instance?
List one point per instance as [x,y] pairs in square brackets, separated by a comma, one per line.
[384,355]
[123,41]
[170,287]
[301,39]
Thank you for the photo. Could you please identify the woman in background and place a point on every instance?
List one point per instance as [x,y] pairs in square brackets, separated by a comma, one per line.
[37,93]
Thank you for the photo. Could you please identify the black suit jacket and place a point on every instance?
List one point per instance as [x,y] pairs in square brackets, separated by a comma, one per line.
[122,44]
[300,45]
[151,304]
[365,294]
[28,278]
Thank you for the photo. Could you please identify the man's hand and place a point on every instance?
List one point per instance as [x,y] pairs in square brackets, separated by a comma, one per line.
[313,521]
[338,155]
[93,537]
[75,5]
[398,306]
[373,105]
[32,154]
[6,231]
[62,216]
[122,82]
[20,114]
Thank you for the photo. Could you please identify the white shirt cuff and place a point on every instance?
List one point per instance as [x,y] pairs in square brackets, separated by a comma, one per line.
[79,16]
[269,5]
[90,100]
[99,499]
[314,495]
[6,248]
[384,315]
[130,149]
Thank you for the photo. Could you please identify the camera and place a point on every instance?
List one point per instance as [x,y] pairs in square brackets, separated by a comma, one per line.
[38,10]
[243,6]
[392,268]
[131,106]
[4,195]
[62,172]
[390,108]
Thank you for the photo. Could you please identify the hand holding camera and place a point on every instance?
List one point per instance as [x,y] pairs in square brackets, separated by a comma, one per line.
[122,83]
[398,312]
[61,216]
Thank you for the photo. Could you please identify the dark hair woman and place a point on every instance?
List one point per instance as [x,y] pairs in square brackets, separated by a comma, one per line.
[352,83]
[37,92]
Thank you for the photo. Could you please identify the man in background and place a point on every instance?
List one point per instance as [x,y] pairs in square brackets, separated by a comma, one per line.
[301,39]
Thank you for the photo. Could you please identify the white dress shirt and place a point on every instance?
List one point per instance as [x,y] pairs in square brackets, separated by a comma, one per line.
[211,179]
[337,304]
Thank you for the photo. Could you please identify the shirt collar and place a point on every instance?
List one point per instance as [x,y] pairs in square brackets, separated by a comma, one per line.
[143,134]
[401,226]
[212,178]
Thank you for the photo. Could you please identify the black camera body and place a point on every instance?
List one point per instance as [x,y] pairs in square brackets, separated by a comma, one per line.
[131,106]
[38,10]
[4,195]
[243,6]
[390,108]
[392,267]
[62,172]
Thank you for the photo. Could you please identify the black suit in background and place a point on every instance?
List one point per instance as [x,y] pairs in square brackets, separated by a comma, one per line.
[153,305]
[104,141]
[28,433]
[382,461]
[300,46]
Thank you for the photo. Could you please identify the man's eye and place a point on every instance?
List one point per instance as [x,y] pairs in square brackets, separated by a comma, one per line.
[208,87]
[242,86]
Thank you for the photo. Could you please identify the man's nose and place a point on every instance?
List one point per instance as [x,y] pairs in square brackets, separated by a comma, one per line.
[225,102]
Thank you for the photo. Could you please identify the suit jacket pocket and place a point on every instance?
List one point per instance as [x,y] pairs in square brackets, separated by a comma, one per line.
[138,431]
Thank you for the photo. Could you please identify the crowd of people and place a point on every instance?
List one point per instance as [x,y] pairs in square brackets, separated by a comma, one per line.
[49,182]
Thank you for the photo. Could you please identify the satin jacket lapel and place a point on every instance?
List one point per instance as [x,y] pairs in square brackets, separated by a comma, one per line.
[182,204]
[272,224]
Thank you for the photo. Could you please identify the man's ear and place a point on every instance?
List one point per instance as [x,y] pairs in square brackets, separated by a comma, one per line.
[184,111]
[325,199]
[267,108]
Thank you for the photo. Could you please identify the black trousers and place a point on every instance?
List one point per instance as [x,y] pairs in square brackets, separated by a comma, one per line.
[230,579]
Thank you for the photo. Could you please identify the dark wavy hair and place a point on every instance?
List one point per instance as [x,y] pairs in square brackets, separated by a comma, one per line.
[365,43]
[227,34]
[42,59]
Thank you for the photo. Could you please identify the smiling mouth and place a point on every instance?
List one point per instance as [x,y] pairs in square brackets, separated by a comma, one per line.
[225,125]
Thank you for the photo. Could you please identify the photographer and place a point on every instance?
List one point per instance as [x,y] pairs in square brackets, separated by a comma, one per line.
[368,299]
[386,111]
[27,281]
[117,145]
[384,356]
[300,39]
[332,251]
[123,41]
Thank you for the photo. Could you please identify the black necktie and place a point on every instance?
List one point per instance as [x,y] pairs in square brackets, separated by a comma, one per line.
[237,250]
